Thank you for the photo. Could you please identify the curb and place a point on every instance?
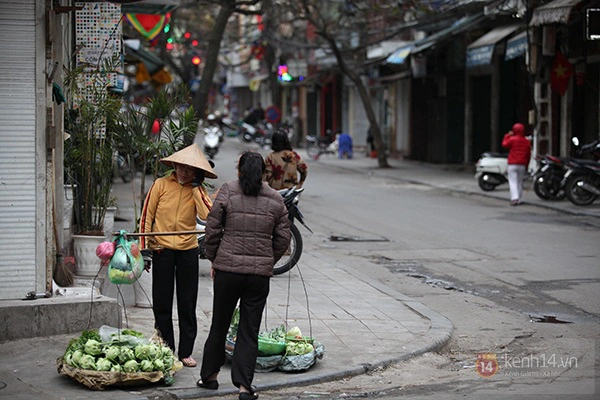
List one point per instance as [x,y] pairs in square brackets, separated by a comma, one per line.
[439,334]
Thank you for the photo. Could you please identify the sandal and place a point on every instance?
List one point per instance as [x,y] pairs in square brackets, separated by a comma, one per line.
[188,362]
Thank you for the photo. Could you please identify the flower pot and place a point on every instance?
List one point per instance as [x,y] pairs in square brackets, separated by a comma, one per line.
[84,247]
[142,290]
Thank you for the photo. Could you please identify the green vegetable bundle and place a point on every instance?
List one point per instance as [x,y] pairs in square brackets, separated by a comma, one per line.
[127,263]
[88,352]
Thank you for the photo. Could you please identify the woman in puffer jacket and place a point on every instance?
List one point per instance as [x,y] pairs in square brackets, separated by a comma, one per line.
[519,153]
[247,231]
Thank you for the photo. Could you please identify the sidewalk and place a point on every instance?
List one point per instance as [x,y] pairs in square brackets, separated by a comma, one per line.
[361,322]
[453,178]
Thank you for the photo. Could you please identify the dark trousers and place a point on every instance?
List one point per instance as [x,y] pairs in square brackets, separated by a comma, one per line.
[252,292]
[170,269]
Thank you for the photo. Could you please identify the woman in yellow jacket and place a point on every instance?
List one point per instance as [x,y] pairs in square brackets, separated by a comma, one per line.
[171,205]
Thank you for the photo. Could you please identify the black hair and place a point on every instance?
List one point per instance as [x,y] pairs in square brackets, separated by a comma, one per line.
[251,168]
[280,141]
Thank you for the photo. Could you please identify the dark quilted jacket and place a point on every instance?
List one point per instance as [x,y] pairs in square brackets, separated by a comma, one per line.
[247,234]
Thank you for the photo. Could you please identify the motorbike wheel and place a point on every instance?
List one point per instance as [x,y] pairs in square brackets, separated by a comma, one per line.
[576,194]
[539,187]
[553,188]
[292,255]
[485,185]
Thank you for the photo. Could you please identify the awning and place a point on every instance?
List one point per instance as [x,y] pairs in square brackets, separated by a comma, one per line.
[480,52]
[456,28]
[555,12]
[384,49]
[516,46]
[400,55]
[151,61]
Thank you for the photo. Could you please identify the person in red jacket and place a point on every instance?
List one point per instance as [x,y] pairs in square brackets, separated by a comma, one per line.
[519,154]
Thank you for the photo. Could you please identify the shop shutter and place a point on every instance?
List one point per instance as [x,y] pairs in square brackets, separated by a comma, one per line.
[17,148]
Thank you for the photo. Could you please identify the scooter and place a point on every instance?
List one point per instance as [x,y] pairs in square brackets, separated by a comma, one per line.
[582,179]
[211,140]
[549,181]
[548,177]
[491,170]
[315,146]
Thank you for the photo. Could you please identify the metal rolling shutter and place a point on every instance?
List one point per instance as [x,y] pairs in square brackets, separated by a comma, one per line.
[17,148]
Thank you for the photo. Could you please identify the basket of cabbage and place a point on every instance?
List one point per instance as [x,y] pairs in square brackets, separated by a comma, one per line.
[110,356]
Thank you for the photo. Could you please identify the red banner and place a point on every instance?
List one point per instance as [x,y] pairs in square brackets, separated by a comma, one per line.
[562,70]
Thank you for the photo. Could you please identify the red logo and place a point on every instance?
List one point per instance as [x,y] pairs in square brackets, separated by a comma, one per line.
[486,365]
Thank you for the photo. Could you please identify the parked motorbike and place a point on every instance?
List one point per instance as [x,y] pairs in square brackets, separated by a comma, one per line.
[260,133]
[547,180]
[491,170]
[316,146]
[291,197]
[582,179]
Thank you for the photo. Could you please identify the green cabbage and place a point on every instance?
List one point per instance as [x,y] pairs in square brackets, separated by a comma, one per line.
[159,365]
[103,364]
[77,354]
[298,348]
[146,366]
[112,353]
[87,362]
[131,366]
[295,332]
[166,351]
[92,347]
[168,362]
[146,351]
[125,354]
[68,358]
[116,368]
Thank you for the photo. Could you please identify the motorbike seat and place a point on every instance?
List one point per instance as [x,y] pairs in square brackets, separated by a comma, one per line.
[494,154]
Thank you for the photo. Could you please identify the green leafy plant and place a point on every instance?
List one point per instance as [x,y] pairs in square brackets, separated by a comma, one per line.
[134,136]
[89,150]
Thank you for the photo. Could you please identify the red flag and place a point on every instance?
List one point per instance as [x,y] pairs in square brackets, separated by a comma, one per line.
[562,70]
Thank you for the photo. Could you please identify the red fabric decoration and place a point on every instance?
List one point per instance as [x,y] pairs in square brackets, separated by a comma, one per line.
[149,25]
[562,70]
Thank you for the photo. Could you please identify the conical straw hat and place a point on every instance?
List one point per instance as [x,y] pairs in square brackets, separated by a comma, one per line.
[192,156]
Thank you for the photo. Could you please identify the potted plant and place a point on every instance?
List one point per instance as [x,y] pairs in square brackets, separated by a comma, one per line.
[89,151]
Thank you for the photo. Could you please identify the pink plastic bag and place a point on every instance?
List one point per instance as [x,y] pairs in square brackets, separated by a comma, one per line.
[105,250]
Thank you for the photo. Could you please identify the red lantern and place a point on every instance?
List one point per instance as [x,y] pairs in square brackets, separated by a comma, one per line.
[155,127]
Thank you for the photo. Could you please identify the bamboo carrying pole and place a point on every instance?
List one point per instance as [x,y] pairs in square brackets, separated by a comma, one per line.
[161,233]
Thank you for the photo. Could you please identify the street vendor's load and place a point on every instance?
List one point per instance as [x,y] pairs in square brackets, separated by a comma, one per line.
[99,358]
[126,262]
[288,351]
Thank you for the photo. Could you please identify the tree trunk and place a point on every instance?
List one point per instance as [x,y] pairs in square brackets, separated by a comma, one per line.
[212,57]
[366,100]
